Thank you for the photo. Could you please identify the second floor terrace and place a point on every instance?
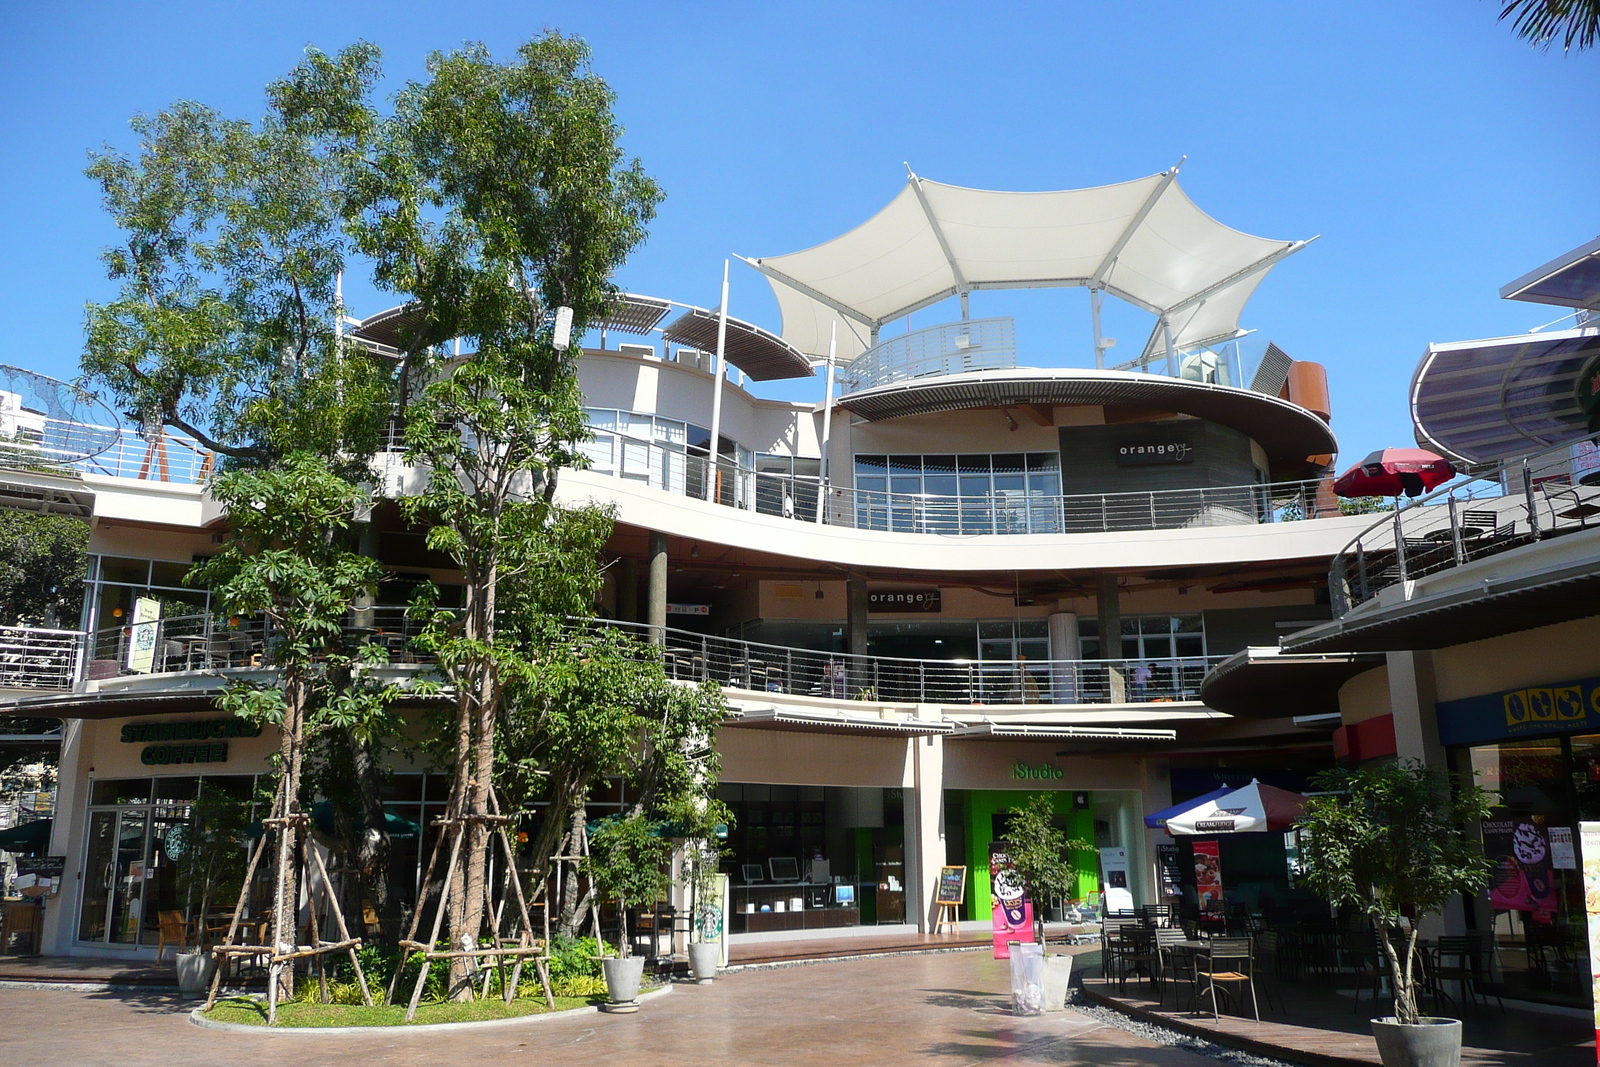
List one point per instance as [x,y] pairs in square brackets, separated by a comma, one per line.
[202,650]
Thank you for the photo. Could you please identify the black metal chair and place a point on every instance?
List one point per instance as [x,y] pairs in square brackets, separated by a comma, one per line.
[1465,959]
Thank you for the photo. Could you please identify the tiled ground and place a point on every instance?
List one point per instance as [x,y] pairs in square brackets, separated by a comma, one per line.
[946,1010]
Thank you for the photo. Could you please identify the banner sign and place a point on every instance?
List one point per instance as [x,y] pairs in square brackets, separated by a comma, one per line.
[1537,711]
[142,635]
[1208,872]
[1012,910]
[904,600]
[1114,879]
[1589,840]
[1522,878]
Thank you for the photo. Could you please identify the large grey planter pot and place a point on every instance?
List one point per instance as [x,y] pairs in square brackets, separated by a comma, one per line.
[1428,1042]
[704,956]
[195,970]
[622,983]
[1057,981]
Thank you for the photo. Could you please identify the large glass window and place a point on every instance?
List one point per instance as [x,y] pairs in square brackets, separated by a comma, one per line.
[666,454]
[1532,913]
[114,583]
[129,877]
[1005,492]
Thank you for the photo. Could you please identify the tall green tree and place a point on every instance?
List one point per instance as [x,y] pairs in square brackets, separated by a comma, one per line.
[42,565]
[494,193]
[290,562]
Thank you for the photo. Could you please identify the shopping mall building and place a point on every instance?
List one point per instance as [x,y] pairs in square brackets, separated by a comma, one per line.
[939,581]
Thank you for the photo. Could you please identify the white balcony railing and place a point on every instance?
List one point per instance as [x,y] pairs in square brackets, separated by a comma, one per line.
[36,660]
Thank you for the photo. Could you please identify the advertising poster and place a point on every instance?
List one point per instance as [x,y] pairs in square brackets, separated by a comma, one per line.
[1589,842]
[1171,874]
[1013,911]
[1562,855]
[142,635]
[1208,872]
[1114,879]
[1522,878]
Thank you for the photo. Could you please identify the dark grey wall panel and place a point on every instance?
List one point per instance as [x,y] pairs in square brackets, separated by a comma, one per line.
[1230,629]
[1089,457]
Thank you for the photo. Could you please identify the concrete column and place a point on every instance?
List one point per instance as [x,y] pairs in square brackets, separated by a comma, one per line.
[658,588]
[1412,691]
[925,844]
[1064,656]
[855,627]
[1109,606]
[66,835]
[628,590]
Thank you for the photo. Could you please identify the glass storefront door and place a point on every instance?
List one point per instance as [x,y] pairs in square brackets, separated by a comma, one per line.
[114,877]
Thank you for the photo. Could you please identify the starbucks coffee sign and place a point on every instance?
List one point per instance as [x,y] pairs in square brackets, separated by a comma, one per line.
[197,741]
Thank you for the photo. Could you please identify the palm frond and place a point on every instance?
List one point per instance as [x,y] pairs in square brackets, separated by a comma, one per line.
[1575,22]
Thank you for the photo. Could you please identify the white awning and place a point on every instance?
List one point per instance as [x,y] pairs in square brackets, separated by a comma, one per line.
[1144,241]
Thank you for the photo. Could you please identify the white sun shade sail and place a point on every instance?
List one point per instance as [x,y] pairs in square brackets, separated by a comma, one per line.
[1143,241]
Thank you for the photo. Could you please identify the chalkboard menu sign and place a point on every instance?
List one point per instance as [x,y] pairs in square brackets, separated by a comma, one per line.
[952,885]
[42,866]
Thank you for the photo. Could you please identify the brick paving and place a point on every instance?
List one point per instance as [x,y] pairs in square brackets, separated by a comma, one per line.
[1318,1026]
[948,1009]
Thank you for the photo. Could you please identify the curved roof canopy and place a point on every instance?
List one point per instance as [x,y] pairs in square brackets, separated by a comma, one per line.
[1290,434]
[1144,241]
[761,355]
[1493,400]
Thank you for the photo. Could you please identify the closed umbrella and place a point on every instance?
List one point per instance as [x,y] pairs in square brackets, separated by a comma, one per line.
[1393,471]
[1254,809]
[31,837]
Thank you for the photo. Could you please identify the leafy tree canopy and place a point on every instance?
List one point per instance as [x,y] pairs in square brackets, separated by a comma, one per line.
[42,565]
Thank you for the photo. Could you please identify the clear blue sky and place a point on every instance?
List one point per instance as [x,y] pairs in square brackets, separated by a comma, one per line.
[1438,156]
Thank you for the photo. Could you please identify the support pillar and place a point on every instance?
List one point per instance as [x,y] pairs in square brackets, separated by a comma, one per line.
[1109,606]
[658,588]
[855,627]
[1064,657]
[628,590]
[925,838]
[1412,692]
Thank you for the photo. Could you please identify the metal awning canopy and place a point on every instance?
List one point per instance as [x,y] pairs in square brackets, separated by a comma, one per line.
[1143,241]
[1492,400]
[631,313]
[1267,683]
[833,722]
[1488,609]
[996,731]
[1571,280]
[1289,433]
[760,354]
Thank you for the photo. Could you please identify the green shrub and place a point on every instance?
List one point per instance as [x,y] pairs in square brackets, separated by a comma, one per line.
[570,986]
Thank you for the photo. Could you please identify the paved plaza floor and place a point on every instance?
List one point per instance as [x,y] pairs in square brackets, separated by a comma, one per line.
[949,1009]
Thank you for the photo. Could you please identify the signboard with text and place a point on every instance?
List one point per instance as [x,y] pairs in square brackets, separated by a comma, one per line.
[1534,711]
[903,600]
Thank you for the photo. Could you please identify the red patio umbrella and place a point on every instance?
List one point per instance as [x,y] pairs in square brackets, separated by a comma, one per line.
[1393,471]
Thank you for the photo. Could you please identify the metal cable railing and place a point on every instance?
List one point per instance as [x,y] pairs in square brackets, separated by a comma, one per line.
[212,642]
[1018,511]
[1520,502]
[949,348]
[761,667]
[38,659]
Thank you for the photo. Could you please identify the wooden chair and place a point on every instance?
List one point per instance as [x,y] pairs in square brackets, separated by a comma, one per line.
[173,931]
[21,921]
[1231,961]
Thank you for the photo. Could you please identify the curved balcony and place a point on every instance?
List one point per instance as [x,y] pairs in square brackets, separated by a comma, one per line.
[1528,500]
[213,644]
[803,499]
[949,348]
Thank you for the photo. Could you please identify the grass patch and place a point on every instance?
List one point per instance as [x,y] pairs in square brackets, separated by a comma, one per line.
[252,1012]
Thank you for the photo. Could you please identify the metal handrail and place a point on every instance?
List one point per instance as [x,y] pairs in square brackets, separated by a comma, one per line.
[213,642]
[948,348]
[753,665]
[33,658]
[795,496]
[1518,502]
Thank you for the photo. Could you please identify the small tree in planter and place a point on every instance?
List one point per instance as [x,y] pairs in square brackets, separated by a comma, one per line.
[703,821]
[1391,842]
[1040,852]
[210,852]
[627,864]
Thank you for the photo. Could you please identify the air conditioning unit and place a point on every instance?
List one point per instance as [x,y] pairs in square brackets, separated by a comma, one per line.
[638,351]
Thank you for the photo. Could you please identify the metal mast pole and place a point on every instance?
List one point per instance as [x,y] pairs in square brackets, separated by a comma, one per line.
[827,421]
[716,389]
[1094,313]
[1172,353]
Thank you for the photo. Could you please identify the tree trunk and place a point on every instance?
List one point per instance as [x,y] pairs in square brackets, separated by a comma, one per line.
[286,881]
[372,841]
[1400,977]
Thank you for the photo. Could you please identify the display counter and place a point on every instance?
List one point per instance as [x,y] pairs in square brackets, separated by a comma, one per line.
[790,906]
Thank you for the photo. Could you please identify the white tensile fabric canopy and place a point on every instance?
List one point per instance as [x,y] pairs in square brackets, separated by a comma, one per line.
[1143,241]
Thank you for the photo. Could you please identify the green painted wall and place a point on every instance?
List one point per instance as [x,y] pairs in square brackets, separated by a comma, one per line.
[982,805]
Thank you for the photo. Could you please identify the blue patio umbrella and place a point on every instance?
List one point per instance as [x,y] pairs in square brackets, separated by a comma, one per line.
[1158,821]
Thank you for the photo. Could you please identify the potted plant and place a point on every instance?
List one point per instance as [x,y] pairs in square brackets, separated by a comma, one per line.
[1391,842]
[627,863]
[1040,851]
[209,851]
[704,821]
